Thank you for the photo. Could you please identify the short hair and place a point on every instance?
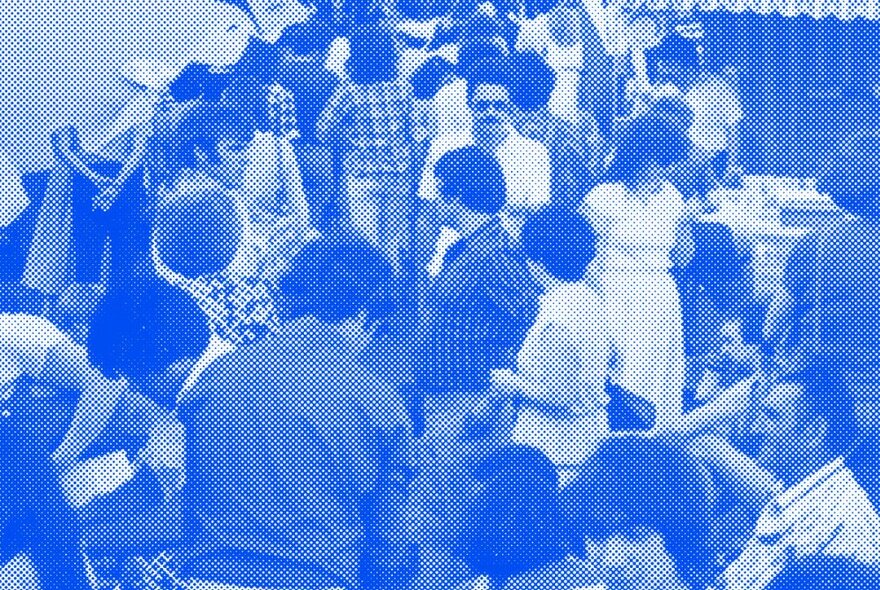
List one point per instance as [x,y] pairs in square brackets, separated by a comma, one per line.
[373,57]
[514,524]
[644,142]
[310,38]
[853,179]
[824,393]
[474,177]
[202,128]
[197,231]
[138,332]
[636,482]
[673,49]
[337,279]
[824,572]
[562,241]
[533,83]
[474,53]
[428,77]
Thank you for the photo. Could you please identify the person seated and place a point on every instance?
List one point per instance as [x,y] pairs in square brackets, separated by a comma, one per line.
[306,461]
[827,573]
[514,524]
[638,516]
[808,438]
[565,358]
[479,307]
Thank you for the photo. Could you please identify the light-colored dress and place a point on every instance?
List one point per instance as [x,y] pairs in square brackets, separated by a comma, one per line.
[637,231]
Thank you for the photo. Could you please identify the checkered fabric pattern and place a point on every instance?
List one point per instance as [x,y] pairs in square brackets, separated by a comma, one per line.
[240,311]
[375,121]
[282,112]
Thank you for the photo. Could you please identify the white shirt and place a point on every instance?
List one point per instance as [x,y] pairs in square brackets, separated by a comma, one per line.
[564,361]
[716,110]
[526,166]
[828,513]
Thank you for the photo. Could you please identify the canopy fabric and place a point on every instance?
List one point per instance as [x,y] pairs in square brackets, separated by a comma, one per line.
[845,10]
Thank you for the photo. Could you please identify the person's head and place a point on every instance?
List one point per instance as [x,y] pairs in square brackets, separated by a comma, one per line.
[559,243]
[514,524]
[674,61]
[214,139]
[474,53]
[336,281]
[197,231]
[640,511]
[481,27]
[536,7]
[853,179]
[489,100]
[647,150]
[373,57]
[821,572]
[802,423]
[151,335]
[431,76]
[533,83]
[308,40]
[469,180]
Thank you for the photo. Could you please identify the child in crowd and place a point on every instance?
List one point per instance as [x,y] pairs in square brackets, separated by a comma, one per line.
[564,361]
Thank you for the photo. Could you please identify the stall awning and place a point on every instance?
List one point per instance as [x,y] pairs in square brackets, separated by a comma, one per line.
[842,9]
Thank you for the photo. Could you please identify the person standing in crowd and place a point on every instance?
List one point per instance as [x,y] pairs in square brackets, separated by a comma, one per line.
[480,305]
[525,162]
[809,441]
[640,219]
[575,148]
[321,439]
[370,115]
[716,108]
[823,315]
[564,360]
[209,151]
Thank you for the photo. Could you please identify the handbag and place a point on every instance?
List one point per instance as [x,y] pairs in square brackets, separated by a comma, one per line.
[628,411]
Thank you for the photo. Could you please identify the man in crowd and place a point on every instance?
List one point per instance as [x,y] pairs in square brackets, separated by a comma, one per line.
[717,111]
[575,150]
[827,507]
[483,300]
[296,451]
[525,162]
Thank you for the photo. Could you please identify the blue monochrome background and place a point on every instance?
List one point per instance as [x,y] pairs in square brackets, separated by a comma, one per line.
[440,294]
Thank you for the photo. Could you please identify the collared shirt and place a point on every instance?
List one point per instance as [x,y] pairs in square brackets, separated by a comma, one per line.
[828,513]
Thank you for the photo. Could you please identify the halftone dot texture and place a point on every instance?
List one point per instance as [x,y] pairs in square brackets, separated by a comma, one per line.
[179,158]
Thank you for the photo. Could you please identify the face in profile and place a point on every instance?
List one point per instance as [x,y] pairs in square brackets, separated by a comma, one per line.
[635,559]
[491,107]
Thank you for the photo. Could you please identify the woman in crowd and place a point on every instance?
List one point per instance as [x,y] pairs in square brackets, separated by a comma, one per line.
[564,361]
[370,116]
[209,151]
[641,220]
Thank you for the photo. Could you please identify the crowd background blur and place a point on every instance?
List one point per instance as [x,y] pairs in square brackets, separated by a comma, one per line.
[447,294]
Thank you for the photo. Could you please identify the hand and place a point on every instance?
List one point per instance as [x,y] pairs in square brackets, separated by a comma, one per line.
[166,446]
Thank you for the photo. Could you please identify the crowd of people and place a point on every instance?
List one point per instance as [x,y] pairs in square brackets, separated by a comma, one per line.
[436,318]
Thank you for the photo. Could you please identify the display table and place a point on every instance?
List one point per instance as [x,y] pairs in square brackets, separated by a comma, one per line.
[768,216]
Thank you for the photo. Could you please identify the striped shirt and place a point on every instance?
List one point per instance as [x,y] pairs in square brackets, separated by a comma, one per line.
[828,513]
